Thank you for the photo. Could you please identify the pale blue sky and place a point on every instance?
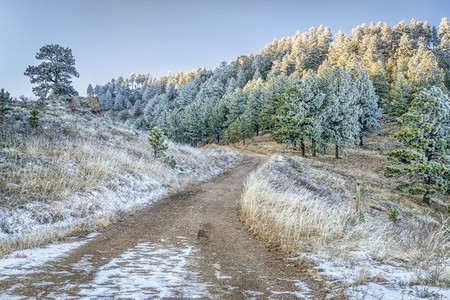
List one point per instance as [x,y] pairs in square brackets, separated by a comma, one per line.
[111,38]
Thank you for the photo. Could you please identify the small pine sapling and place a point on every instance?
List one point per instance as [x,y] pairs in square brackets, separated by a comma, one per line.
[156,140]
[5,102]
[34,118]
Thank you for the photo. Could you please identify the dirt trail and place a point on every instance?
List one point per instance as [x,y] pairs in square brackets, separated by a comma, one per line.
[190,244]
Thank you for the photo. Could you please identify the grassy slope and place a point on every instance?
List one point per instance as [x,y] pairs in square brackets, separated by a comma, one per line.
[75,173]
[312,208]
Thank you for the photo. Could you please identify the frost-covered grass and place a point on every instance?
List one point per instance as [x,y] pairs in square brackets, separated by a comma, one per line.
[287,206]
[75,172]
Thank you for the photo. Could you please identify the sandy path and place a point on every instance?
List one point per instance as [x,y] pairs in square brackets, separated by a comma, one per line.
[189,245]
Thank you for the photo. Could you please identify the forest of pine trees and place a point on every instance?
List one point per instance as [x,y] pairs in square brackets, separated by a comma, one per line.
[311,92]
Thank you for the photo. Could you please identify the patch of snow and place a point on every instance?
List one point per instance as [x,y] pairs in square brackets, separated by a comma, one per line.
[218,274]
[149,270]
[23,262]
[304,291]
[370,279]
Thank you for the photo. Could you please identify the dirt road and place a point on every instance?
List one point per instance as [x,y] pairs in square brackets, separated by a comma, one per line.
[189,245]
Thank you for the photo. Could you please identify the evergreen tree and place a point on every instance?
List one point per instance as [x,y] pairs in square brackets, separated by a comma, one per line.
[400,96]
[156,140]
[215,117]
[194,124]
[90,90]
[298,118]
[426,140]
[443,50]
[106,101]
[341,126]
[423,70]
[240,129]
[54,73]
[272,101]
[255,94]
[367,101]
[5,102]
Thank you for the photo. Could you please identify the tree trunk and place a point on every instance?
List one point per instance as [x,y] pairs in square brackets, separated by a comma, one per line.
[337,151]
[302,146]
[361,140]
[243,140]
[218,138]
[426,198]
[257,130]
[313,145]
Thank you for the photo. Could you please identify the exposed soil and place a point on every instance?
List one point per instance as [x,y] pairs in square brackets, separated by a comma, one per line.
[229,260]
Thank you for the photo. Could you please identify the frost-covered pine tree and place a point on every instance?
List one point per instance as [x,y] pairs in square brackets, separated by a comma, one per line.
[194,124]
[299,117]
[340,126]
[106,101]
[53,74]
[400,96]
[443,50]
[425,137]
[423,70]
[255,94]
[367,100]
[90,90]
[121,100]
[341,50]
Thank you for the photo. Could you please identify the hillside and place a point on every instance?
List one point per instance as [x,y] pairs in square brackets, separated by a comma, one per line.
[75,172]
[305,207]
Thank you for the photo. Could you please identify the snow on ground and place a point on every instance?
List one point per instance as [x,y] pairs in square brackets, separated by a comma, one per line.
[304,292]
[23,262]
[368,279]
[129,192]
[150,270]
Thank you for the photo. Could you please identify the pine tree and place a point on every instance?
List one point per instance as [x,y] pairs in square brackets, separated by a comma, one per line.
[367,101]
[33,119]
[54,73]
[156,140]
[240,129]
[423,70]
[194,124]
[443,50]
[426,140]
[5,102]
[106,101]
[400,96]
[90,90]
[298,118]
[272,101]
[255,94]
[341,126]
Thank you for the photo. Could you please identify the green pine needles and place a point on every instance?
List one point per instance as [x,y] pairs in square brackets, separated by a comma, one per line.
[425,136]
[33,120]
[5,102]
[157,142]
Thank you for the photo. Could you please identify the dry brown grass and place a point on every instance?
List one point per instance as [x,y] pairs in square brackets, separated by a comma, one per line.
[66,169]
[293,211]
